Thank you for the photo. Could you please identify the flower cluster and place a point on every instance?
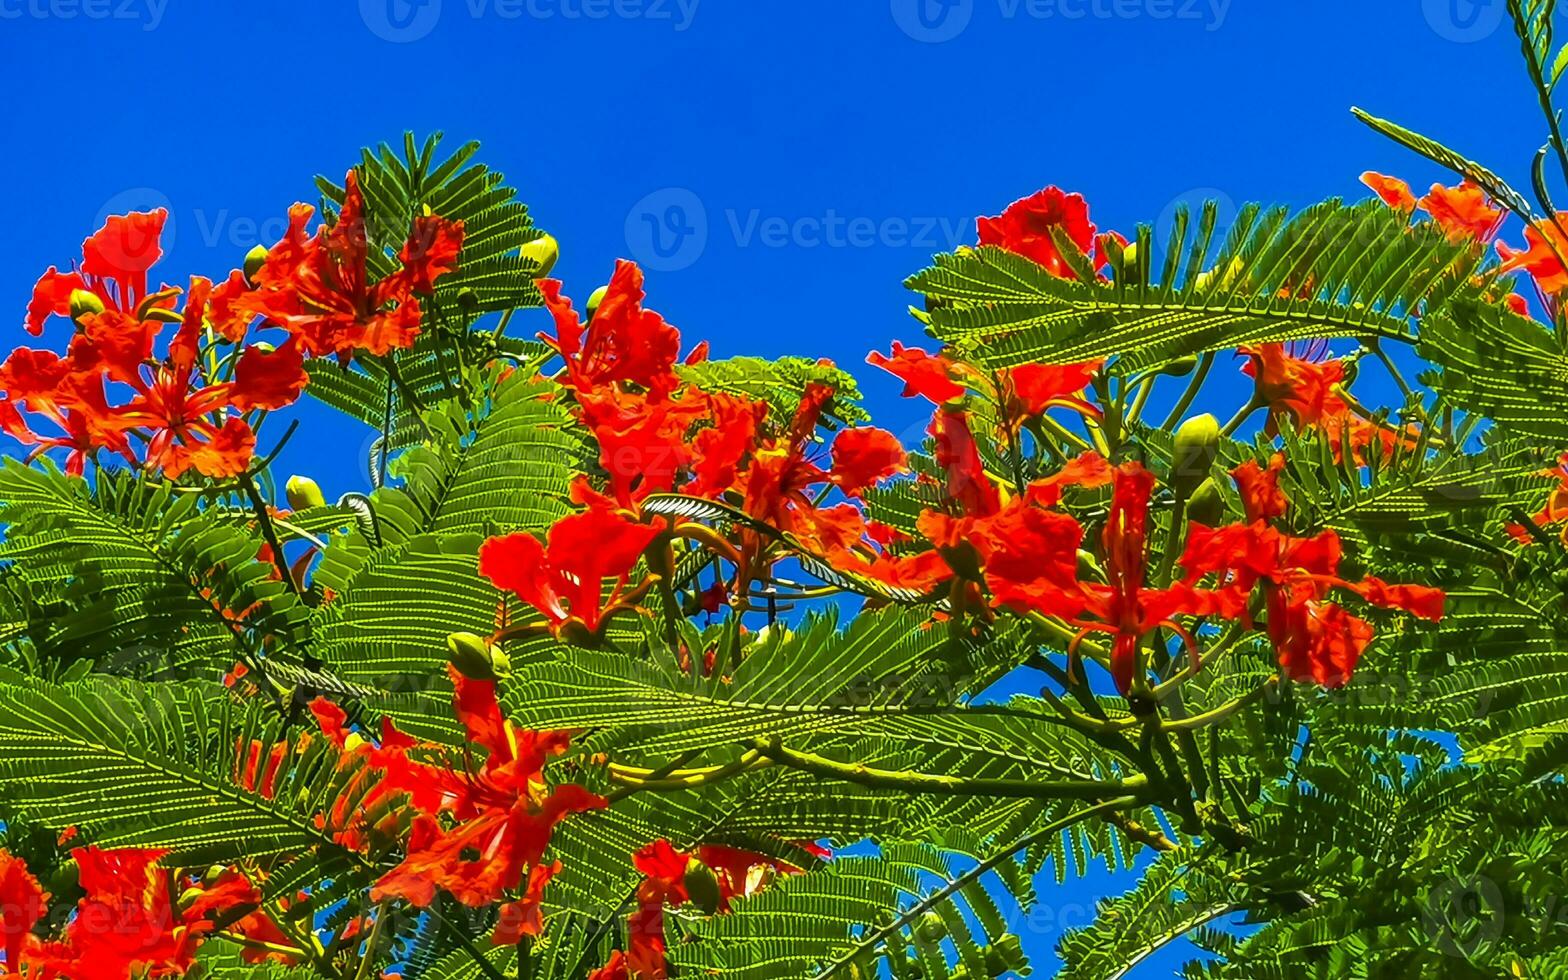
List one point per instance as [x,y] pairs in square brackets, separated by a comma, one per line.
[190,404]
[135,918]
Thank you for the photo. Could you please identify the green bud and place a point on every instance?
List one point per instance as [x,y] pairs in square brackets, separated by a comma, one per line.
[303,493]
[594,299]
[931,928]
[1197,444]
[1179,367]
[1206,506]
[1006,954]
[84,303]
[476,657]
[702,886]
[254,260]
[542,252]
[1089,569]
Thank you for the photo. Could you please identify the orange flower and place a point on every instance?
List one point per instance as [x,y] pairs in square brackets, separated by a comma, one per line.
[1394,192]
[1463,211]
[1543,242]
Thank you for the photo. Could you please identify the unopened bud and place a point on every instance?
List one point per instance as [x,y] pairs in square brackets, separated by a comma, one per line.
[1197,445]
[931,928]
[594,299]
[542,252]
[1206,506]
[84,303]
[303,493]
[702,886]
[476,657]
[1179,367]
[1089,569]
[254,260]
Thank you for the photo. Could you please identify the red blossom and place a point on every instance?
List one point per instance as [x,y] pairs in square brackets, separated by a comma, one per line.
[1025,228]
[319,289]
[563,578]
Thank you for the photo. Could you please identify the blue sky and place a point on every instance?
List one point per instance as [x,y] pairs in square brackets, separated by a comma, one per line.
[812,153]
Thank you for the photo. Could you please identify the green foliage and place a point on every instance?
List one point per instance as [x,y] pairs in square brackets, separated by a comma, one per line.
[1333,270]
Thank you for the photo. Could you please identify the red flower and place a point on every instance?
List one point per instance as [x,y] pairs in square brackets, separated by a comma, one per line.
[863,457]
[1314,639]
[927,375]
[1555,508]
[718,451]
[1299,387]
[1394,192]
[615,969]
[22,904]
[643,441]
[1124,607]
[1029,390]
[127,924]
[319,288]
[524,917]
[505,813]
[187,420]
[664,883]
[958,455]
[622,343]
[1025,228]
[563,580]
[115,260]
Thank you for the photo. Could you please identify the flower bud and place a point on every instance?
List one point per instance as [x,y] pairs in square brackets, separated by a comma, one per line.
[303,493]
[254,260]
[702,886]
[594,299]
[84,303]
[188,897]
[542,252]
[1197,444]
[1006,954]
[476,657]
[1206,506]
[931,928]
[1089,569]
[1180,367]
